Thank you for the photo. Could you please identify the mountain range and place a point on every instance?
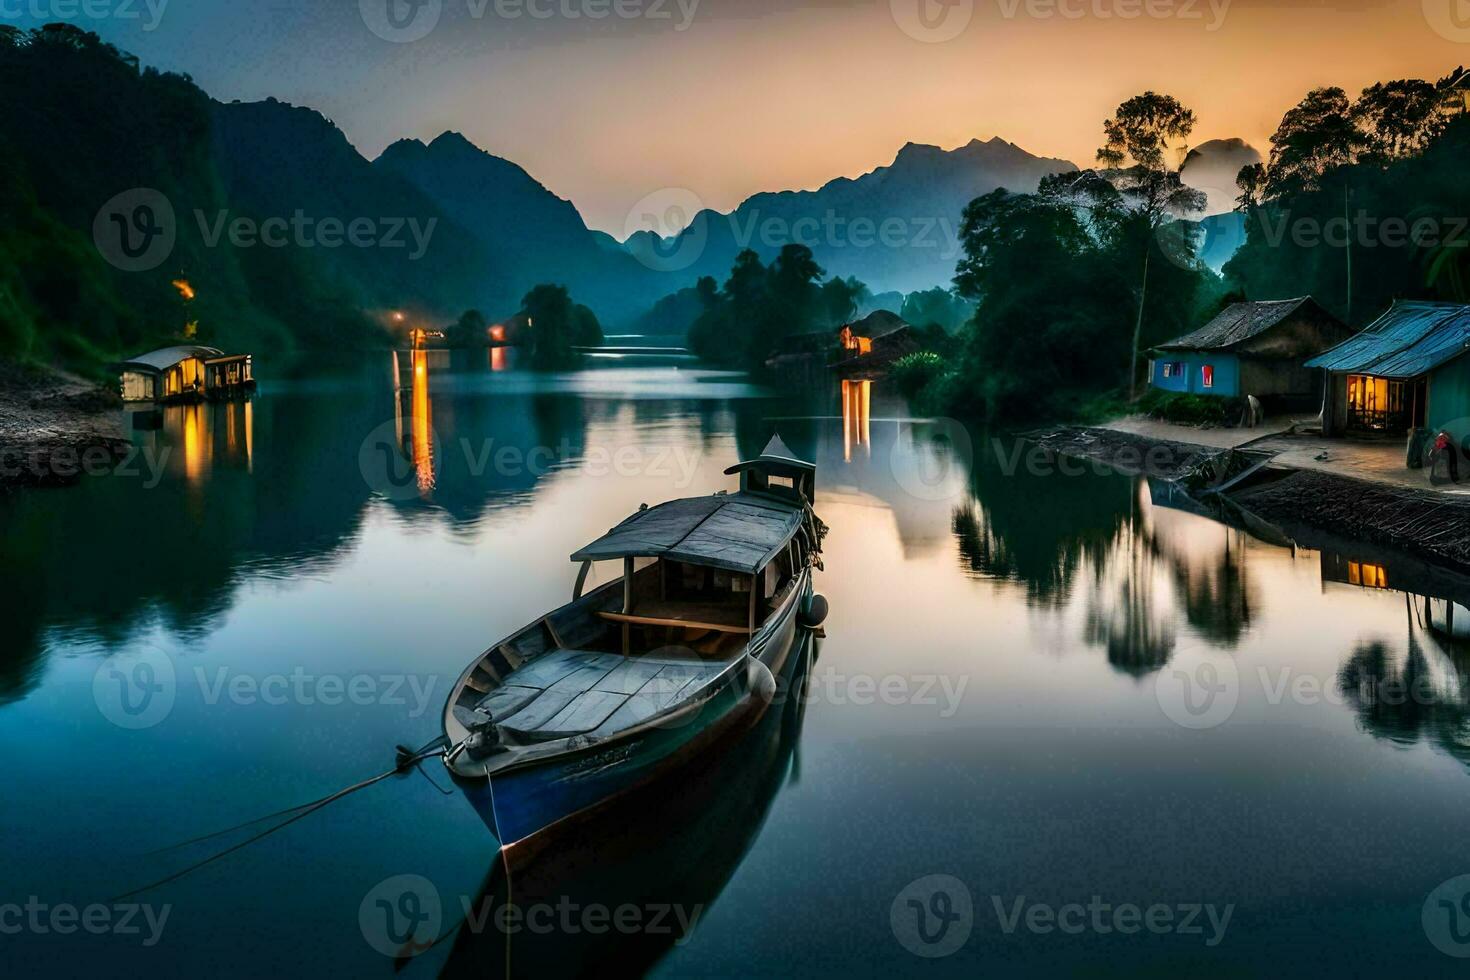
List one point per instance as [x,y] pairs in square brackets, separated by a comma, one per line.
[895,228]
[495,230]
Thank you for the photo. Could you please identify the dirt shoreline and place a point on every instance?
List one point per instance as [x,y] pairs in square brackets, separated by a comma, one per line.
[56,428]
[1425,524]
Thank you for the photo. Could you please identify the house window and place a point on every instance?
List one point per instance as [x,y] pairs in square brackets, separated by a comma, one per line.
[1168,369]
[1207,375]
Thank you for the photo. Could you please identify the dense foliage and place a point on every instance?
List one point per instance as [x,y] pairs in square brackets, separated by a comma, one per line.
[1072,282]
[82,122]
[1362,202]
[742,322]
[557,325]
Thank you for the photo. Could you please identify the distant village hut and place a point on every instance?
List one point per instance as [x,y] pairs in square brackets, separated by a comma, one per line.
[184,373]
[1406,370]
[1251,349]
[870,346]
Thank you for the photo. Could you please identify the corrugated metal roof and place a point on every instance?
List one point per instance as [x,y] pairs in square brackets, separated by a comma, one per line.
[738,532]
[167,357]
[1238,323]
[1409,340]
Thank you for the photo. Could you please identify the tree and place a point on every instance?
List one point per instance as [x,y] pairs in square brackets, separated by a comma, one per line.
[794,290]
[1400,118]
[1038,273]
[1138,142]
[841,298]
[936,307]
[586,330]
[1317,135]
[553,321]
[470,330]
[1252,183]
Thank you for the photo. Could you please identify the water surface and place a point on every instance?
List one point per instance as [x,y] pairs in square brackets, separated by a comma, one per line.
[1051,688]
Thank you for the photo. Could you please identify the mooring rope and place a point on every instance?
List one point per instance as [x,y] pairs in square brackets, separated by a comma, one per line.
[407,759]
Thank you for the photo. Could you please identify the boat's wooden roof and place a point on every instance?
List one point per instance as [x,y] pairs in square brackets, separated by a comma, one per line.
[738,532]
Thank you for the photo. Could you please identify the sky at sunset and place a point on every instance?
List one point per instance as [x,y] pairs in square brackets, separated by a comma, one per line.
[730,97]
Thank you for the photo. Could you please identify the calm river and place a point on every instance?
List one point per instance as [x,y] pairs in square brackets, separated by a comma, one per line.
[1129,739]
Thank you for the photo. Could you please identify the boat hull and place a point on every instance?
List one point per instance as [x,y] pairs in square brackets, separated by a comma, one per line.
[532,798]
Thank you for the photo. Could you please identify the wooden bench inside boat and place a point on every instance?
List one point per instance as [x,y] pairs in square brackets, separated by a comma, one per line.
[721,618]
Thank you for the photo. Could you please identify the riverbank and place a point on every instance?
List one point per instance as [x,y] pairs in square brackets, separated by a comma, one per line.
[55,427]
[1429,524]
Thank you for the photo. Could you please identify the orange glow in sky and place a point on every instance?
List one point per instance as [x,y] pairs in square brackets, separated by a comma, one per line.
[747,96]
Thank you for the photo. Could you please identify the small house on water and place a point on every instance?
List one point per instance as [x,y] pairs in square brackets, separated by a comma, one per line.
[185,373]
[1251,349]
[1406,370]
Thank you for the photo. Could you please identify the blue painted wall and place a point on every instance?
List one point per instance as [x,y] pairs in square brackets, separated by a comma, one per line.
[1449,397]
[1227,373]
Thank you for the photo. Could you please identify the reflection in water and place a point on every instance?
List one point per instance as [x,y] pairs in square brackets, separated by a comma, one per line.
[1137,564]
[423,444]
[1122,614]
[1060,591]
[856,402]
[1423,694]
[1367,575]
[196,450]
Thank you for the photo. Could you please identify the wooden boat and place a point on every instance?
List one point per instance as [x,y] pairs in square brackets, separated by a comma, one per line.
[647,671]
[708,816]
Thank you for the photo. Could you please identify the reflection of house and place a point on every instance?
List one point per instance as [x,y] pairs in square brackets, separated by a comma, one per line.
[1348,571]
[1404,371]
[184,373]
[1250,349]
